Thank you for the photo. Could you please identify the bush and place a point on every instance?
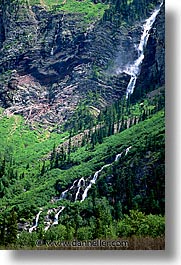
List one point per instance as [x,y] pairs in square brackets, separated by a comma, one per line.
[84,233]
[26,239]
[139,224]
[56,233]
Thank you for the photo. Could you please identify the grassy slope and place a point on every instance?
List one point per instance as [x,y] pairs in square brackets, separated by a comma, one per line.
[88,162]
[85,7]
[24,144]
[28,145]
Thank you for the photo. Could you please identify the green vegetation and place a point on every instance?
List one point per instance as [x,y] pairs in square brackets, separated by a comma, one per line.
[121,114]
[28,182]
[24,143]
[134,224]
[127,11]
[37,165]
[87,8]
[88,161]
[139,224]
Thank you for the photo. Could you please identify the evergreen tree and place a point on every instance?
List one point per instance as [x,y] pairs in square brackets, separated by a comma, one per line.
[53,157]
[43,169]
[2,230]
[2,167]
[11,228]
[69,145]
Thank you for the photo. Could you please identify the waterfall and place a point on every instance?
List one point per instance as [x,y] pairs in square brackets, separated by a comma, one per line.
[134,69]
[77,193]
[84,195]
[77,184]
[47,227]
[97,173]
[52,51]
[48,222]
[55,222]
[118,156]
[36,222]
[127,150]
[79,187]
[63,194]
[131,85]
[93,180]
[73,185]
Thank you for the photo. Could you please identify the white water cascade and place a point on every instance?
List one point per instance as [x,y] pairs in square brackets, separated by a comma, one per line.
[127,150]
[63,194]
[48,222]
[118,156]
[36,223]
[134,69]
[93,180]
[55,222]
[77,184]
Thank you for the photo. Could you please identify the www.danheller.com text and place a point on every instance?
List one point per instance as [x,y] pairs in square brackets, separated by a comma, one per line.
[85,243]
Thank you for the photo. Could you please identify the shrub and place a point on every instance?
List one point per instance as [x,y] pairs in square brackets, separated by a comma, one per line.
[139,224]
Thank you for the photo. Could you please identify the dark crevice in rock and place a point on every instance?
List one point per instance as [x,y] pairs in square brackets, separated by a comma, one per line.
[2,30]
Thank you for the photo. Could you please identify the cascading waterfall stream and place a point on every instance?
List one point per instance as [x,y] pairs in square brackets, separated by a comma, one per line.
[93,180]
[63,194]
[134,69]
[57,215]
[78,183]
[118,156]
[36,222]
[48,223]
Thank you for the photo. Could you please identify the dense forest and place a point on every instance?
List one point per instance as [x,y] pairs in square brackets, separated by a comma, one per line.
[99,174]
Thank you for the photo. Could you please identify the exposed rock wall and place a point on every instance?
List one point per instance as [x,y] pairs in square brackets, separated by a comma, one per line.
[50,61]
[153,68]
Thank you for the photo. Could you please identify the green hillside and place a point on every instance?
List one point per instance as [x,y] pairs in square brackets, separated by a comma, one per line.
[87,8]
[34,189]
[82,124]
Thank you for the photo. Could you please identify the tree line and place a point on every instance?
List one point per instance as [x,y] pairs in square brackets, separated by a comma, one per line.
[128,11]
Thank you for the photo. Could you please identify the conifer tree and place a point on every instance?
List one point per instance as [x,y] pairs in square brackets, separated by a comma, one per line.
[11,228]
[53,157]
[69,145]
[43,169]
[2,230]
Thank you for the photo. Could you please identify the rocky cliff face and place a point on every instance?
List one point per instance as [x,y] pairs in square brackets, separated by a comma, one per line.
[153,68]
[49,62]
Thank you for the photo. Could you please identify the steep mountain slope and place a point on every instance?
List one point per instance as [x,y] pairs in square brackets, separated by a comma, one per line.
[51,60]
[81,157]
[153,68]
[84,162]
